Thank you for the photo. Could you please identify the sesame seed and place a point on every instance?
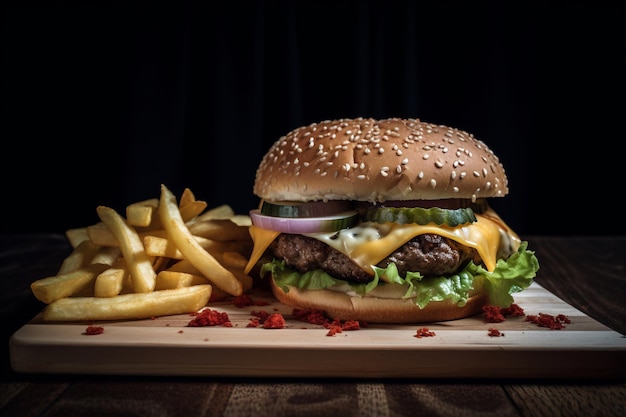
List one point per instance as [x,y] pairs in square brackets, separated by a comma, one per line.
[433,183]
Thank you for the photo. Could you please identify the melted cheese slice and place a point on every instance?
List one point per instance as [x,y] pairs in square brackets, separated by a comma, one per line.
[369,243]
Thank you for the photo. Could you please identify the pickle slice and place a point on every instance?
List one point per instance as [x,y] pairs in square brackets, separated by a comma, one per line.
[419,215]
[294,209]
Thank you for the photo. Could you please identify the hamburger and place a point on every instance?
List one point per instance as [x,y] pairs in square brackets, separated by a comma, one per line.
[385,221]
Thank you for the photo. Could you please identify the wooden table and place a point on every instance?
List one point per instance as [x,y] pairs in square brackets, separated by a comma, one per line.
[589,273]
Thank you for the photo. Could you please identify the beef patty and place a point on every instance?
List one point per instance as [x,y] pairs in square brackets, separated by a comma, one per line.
[429,254]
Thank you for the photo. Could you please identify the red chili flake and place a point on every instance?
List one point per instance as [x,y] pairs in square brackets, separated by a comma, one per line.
[319,317]
[495,314]
[351,325]
[244,300]
[310,316]
[93,330]
[274,321]
[494,332]
[262,315]
[254,322]
[547,320]
[208,317]
[333,330]
[218,296]
[513,310]
[424,332]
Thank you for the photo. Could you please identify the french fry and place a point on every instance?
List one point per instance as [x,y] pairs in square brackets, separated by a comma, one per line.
[130,306]
[57,287]
[166,280]
[220,229]
[109,283]
[192,210]
[241,220]
[234,260]
[160,263]
[106,255]
[186,267]
[127,285]
[138,263]
[160,246]
[220,212]
[100,235]
[140,213]
[245,279]
[163,258]
[77,235]
[191,249]
[187,197]
[80,256]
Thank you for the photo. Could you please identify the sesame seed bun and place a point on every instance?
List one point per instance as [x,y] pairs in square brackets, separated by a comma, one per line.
[378,310]
[379,160]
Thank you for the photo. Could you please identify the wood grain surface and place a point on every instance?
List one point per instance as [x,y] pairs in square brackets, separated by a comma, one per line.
[583,348]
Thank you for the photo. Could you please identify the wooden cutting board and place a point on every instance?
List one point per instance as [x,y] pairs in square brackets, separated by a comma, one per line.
[463,348]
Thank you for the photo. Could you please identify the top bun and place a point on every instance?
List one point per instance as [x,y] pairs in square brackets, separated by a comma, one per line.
[379,160]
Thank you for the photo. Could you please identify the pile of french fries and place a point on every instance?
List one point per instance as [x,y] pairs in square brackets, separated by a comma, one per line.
[163,258]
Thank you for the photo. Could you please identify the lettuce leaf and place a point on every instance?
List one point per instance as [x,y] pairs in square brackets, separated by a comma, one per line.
[509,276]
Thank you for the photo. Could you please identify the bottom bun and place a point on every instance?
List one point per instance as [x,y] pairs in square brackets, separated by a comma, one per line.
[339,305]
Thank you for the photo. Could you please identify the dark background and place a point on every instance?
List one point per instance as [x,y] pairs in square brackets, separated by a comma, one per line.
[104,101]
